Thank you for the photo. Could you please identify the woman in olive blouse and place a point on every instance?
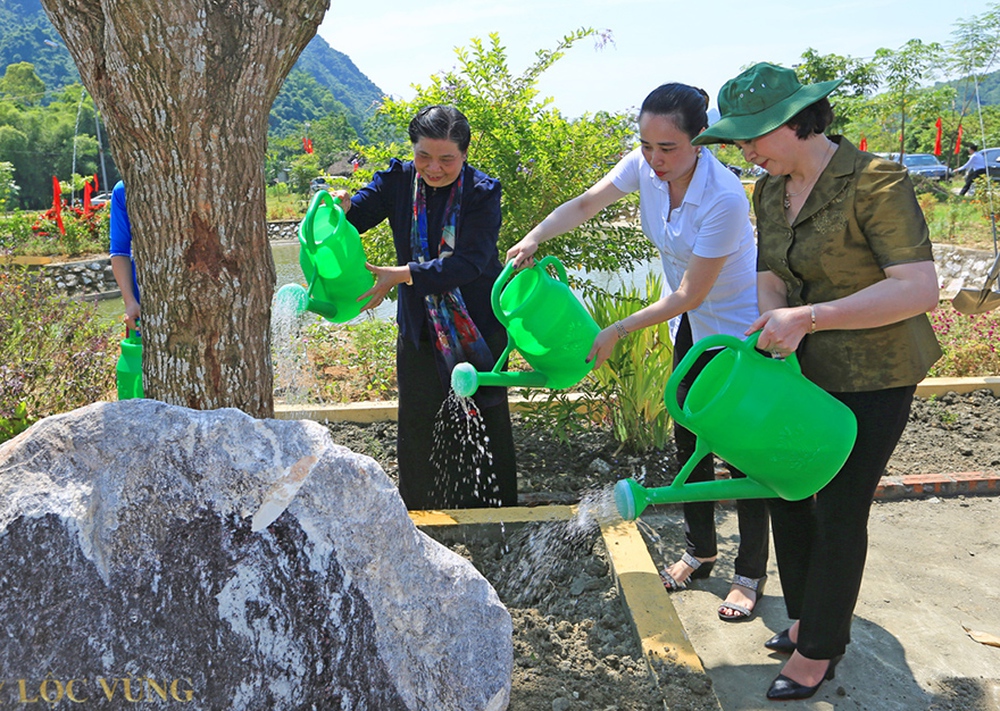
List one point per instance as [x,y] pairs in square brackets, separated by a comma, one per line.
[845,276]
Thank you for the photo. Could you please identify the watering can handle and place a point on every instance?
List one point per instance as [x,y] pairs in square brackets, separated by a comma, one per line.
[307,222]
[719,340]
[508,272]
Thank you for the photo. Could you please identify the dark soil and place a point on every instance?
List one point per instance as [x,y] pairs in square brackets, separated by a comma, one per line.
[573,646]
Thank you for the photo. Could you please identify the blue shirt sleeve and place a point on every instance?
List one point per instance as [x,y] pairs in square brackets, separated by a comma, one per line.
[121,228]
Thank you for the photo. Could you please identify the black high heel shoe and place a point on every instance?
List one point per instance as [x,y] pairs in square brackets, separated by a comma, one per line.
[785,689]
[781,642]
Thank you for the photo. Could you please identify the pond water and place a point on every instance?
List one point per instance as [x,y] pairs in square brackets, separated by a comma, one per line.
[288,271]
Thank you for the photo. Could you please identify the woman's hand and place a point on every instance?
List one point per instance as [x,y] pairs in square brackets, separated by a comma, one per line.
[781,330]
[604,344]
[523,253]
[345,199]
[385,279]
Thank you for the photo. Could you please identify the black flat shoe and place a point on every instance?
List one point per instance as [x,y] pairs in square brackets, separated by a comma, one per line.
[781,642]
[785,689]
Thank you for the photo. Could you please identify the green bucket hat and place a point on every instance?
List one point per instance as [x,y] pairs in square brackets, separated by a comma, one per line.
[760,100]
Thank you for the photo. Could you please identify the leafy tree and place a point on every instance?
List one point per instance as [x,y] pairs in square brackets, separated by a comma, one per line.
[22,84]
[903,70]
[540,157]
[860,80]
[188,125]
[973,53]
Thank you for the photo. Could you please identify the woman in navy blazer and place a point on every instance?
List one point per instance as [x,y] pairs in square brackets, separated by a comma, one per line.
[445,221]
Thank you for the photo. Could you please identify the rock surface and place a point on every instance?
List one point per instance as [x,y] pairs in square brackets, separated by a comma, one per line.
[150,552]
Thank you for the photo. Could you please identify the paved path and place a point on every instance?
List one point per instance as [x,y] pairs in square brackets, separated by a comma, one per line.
[933,567]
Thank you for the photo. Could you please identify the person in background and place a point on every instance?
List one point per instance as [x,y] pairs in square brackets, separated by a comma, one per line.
[845,276]
[122,263]
[445,221]
[696,213]
[973,168]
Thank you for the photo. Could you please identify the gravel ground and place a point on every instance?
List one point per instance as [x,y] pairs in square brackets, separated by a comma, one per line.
[573,646]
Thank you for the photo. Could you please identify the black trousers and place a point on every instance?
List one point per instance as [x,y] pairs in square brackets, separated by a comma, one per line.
[457,474]
[970,178]
[821,542]
[699,518]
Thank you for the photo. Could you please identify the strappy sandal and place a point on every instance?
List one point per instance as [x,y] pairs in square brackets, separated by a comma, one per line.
[742,613]
[700,569]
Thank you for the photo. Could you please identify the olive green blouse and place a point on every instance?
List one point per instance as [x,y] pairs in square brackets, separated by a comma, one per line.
[861,217]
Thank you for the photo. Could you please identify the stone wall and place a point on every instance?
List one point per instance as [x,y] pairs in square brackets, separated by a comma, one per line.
[957,267]
[93,278]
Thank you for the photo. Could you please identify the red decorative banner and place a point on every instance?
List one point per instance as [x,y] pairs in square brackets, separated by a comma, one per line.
[57,203]
[958,140]
[937,141]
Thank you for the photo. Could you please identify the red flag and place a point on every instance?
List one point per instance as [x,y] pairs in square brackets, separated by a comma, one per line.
[937,141]
[310,145]
[864,143]
[57,203]
[86,197]
[96,186]
[307,144]
[958,140]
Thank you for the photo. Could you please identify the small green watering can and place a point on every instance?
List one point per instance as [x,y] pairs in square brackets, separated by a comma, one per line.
[333,262]
[760,414]
[545,322]
[129,367]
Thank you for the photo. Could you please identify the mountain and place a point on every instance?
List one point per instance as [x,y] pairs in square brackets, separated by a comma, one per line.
[26,35]
[989,89]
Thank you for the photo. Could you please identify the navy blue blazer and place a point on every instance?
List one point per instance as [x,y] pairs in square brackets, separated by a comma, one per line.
[473,266]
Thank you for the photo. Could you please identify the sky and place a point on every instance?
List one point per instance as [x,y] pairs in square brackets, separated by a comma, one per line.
[398,43]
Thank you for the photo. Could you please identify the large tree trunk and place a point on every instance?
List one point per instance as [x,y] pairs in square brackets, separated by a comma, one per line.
[185,87]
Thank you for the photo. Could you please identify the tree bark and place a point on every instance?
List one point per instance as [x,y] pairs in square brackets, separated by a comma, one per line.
[185,88]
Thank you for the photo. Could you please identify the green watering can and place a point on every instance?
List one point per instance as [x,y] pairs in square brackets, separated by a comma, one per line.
[760,414]
[545,322]
[333,262]
[129,368]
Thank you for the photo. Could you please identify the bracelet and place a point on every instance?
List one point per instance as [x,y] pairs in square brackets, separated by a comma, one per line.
[620,330]
[812,315]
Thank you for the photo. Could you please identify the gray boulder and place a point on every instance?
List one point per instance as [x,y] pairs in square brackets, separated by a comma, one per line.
[151,552]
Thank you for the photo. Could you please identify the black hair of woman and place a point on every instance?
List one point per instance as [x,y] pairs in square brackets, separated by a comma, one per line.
[686,105]
[441,122]
[814,118]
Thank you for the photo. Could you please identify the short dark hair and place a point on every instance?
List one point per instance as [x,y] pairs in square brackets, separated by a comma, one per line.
[686,105]
[441,123]
[812,119]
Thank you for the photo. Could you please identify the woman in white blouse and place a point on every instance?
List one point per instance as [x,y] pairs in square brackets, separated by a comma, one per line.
[696,213]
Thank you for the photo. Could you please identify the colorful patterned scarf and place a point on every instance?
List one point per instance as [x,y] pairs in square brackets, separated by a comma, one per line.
[456,337]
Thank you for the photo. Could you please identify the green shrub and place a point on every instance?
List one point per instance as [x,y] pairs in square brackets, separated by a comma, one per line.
[626,392]
[354,362]
[34,234]
[56,354]
[969,343]
[632,380]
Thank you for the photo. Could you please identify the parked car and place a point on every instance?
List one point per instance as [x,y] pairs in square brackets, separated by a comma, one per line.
[992,156]
[926,165]
[317,184]
[100,200]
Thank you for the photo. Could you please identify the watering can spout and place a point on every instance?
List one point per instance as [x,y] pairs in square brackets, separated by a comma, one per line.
[466,380]
[631,498]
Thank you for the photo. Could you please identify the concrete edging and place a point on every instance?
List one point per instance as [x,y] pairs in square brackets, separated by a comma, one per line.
[385,410]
